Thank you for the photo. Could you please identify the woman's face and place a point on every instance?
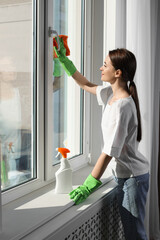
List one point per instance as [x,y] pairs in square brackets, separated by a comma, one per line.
[108,71]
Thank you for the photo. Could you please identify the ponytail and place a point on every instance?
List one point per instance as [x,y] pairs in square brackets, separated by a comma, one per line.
[133,92]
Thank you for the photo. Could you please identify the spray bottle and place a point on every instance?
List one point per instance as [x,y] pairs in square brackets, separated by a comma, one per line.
[64,173]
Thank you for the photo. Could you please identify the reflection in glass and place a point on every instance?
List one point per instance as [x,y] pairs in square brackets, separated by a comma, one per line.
[67,95]
[16,94]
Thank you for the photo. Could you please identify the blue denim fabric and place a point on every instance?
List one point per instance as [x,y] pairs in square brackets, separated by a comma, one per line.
[131,197]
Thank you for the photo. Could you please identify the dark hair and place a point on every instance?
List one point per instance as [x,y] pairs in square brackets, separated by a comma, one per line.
[125,60]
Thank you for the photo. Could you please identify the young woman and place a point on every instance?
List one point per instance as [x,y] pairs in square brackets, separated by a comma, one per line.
[121,129]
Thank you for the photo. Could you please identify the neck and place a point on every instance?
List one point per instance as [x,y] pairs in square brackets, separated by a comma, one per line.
[119,88]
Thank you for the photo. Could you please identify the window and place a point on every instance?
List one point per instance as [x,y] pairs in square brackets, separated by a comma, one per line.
[66,17]
[38,111]
[63,96]
[17,92]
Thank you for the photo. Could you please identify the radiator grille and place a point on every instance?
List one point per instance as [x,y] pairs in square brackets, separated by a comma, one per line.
[104,225]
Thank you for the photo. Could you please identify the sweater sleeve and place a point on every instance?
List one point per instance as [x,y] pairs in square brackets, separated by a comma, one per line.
[103,93]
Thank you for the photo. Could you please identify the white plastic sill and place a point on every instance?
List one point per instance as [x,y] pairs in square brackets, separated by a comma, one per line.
[23,216]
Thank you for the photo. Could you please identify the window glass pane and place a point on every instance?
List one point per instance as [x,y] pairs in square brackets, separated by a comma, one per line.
[67,95]
[17,92]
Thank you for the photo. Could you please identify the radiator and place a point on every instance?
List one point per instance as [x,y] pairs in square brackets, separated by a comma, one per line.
[101,221]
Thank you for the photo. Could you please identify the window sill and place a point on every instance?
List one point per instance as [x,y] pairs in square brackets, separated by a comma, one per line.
[34,210]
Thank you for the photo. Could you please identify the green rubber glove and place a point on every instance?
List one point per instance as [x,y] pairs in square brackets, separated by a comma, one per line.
[82,192]
[65,62]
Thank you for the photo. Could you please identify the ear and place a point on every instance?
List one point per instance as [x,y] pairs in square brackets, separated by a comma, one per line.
[118,73]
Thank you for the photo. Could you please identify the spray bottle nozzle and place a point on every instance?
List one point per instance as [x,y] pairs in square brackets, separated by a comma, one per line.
[63,151]
[57,153]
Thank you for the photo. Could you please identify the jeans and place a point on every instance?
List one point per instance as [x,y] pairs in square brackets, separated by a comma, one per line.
[131,198]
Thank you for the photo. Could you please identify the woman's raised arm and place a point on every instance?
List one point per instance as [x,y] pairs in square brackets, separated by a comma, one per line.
[71,69]
[84,83]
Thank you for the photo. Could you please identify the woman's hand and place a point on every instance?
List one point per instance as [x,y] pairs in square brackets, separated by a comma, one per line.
[65,62]
[62,53]
[82,192]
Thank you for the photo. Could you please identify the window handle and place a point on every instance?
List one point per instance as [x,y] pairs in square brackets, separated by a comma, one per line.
[50,32]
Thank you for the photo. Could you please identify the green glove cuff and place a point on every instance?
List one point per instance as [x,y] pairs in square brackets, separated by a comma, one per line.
[92,183]
[67,64]
[69,67]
